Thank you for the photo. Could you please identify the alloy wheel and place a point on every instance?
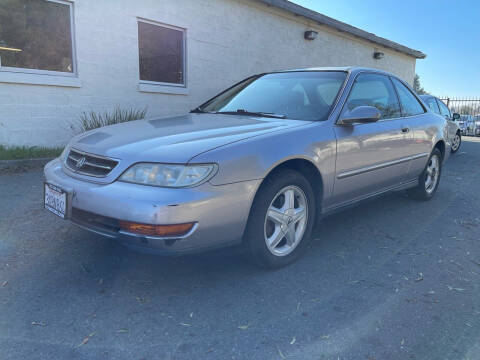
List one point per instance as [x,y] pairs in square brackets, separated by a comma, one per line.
[456,142]
[433,172]
[286,220]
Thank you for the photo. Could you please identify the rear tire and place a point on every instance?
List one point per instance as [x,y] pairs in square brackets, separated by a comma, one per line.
[456,142]
[429,179]
[277,232]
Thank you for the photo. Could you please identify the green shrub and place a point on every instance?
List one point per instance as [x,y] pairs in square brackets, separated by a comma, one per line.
[28,152]
[93,120]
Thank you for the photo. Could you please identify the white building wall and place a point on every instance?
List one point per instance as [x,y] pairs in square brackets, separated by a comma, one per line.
[227,40]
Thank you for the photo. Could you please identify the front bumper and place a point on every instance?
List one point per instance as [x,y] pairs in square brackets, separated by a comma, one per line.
[220,212]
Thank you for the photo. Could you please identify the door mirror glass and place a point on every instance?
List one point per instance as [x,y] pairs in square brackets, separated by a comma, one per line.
[456,116]
[360,114]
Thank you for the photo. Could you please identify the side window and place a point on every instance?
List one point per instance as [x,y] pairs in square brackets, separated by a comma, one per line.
[444,109]
[432,104]
[374,90]
[410,105]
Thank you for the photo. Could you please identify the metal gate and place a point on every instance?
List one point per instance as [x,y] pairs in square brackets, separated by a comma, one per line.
[469,110]
[463,106]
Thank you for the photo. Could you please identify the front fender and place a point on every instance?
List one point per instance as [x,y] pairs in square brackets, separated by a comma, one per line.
[443,135]
[254,158]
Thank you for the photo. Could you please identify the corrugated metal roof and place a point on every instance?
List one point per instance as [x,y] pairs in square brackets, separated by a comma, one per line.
[341,26]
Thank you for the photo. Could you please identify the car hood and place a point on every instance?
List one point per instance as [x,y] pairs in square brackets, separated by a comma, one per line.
[175,139]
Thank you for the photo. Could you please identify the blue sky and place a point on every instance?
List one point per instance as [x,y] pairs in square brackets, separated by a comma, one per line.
[447,31]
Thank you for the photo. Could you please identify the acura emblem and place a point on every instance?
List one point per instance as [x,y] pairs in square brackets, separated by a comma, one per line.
[80,162]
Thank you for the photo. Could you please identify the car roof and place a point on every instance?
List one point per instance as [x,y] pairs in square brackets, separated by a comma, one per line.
[426,96]
[350,69]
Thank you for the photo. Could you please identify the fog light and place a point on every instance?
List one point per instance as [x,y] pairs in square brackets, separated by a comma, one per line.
[156,230]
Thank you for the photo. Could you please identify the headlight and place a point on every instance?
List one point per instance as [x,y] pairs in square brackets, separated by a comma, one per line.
[168,175]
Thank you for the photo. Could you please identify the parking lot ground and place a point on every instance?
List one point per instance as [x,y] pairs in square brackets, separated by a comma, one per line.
[389,279]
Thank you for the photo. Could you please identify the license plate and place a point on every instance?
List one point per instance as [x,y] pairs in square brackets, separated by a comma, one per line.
[55,200]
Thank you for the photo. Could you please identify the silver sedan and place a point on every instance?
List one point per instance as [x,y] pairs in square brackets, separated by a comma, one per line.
[454,131]
[256,165]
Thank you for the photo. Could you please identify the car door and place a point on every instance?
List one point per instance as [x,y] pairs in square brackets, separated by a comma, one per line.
[371,157]
[415,118]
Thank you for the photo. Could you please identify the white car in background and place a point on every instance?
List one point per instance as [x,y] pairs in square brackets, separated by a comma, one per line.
[477,125]
[469,124]
[463,126]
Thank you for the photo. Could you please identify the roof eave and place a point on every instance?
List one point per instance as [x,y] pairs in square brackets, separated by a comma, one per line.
[341,26]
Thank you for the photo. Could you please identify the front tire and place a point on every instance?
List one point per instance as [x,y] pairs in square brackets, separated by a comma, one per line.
[429,179]
[281,220]
[456,142]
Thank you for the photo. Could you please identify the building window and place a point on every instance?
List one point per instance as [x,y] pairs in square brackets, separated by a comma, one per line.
[36,36]
[161,54]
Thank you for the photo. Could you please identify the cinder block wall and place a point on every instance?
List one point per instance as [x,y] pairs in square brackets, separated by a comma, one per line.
[227,40]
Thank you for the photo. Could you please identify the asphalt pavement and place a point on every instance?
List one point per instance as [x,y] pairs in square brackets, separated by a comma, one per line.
[389,279]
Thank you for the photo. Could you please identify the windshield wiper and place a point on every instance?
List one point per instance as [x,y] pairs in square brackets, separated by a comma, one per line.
[199,110]
[252,113]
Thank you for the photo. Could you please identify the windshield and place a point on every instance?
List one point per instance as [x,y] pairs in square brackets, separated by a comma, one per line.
[307,95]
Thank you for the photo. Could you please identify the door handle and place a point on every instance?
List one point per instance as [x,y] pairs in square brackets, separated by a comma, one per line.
[405,130]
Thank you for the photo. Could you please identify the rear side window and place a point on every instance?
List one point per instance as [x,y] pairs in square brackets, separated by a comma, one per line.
[374,90]
[410,105]
[443,109]
[432,104]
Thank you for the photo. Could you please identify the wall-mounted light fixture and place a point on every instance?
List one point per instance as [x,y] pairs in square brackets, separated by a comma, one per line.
[310,35]
[378,55]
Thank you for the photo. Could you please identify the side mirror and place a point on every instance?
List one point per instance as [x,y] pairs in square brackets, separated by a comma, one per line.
[360,114]
[455,116]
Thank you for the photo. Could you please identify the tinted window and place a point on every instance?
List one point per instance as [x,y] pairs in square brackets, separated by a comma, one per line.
[374,90]
[36,34]
[432,104]
[443,109]
[303,95]
[161,53]
[410,105]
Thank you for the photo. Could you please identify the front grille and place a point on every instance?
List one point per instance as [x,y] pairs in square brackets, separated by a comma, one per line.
[88,164]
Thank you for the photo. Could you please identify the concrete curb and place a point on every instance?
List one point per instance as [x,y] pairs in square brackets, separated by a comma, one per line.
[23,164]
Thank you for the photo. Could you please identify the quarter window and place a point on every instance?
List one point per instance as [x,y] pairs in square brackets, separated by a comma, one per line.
[161,53]
[443,109]
[409,103]
[374,90]
[432,104]
[36,36]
